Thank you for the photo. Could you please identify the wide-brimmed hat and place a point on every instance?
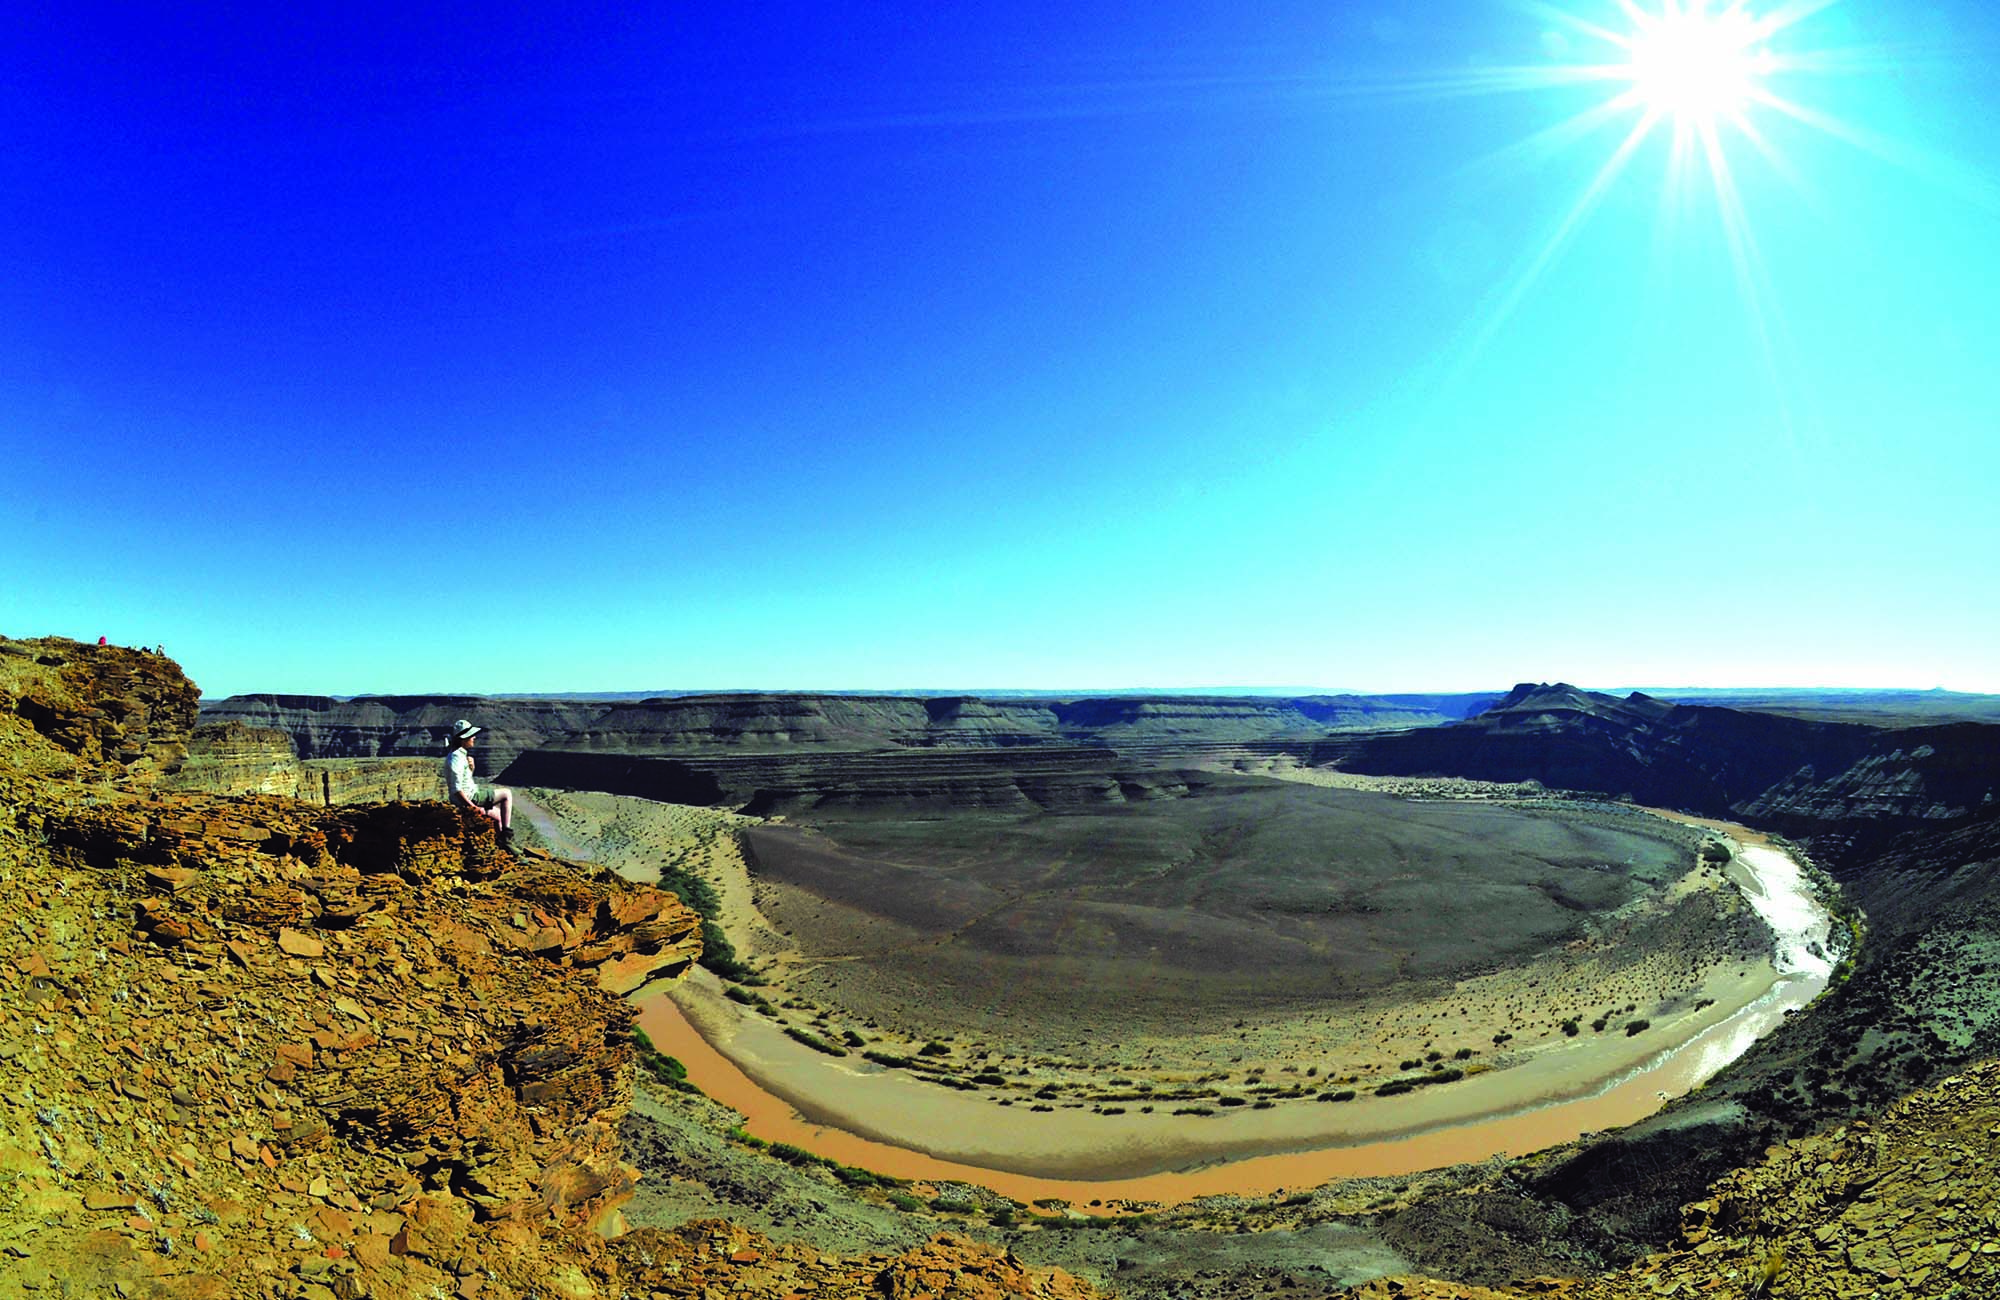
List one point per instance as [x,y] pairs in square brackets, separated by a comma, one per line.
[463,730]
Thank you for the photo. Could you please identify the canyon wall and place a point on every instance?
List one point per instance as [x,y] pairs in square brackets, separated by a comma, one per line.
[236,758]
[682,726]
[1849,788]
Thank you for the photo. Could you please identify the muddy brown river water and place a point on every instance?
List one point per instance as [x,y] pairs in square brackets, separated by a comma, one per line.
[889,1122]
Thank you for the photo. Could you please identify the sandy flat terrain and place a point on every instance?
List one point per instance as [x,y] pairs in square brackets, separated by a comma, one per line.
[1087,1115]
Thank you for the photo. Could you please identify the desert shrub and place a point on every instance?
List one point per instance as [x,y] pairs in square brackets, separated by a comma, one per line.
[1229,1101]
[1410,1064]
[813,1041]
[662,1069]
[793,1155]
[1638,1027]
[934,1049]
[1040,1106]
[1345,1094]
[905,1202]
[1462,1054]
[1501,1037]
[853,1039]
[1194,1110]
[951,1205]
[1262,1105]
[1395,1088]
[717,953]
[1599,1023]
[990,1078]
[1570,1029]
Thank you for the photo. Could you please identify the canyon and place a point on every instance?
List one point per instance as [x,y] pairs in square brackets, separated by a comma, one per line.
[193,1089]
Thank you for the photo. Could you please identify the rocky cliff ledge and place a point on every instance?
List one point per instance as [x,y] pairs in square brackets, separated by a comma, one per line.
[103,713]
[255,1047]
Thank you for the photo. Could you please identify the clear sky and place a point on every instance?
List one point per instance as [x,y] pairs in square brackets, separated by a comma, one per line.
[1366,346]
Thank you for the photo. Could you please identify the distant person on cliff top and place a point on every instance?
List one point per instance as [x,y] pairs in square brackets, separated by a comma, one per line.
[491,802]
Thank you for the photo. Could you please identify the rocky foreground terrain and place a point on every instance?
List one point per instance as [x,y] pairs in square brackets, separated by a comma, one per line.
[1904,1206]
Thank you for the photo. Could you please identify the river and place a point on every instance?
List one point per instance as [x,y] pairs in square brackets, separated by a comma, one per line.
[890,1122]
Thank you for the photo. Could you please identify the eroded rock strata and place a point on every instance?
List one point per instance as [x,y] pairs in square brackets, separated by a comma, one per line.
[236,758]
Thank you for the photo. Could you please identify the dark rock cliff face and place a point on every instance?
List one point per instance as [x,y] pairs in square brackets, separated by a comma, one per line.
[403,726]
[1848,787]
[566,742]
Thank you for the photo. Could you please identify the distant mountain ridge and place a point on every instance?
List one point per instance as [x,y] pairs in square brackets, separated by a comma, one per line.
[408,725]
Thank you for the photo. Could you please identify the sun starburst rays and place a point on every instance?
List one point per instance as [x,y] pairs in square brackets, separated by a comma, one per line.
[1698,71]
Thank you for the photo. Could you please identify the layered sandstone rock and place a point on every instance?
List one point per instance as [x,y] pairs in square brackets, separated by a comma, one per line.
[704,726]
[236,758]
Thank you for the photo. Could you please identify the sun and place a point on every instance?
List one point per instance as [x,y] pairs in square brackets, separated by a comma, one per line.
[1705,76]
[1692,67]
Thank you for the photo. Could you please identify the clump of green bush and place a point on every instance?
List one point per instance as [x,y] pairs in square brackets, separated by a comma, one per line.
[717,953]
[1638,1027]
[814,1041]
[852,1175]
[662,1069]
[749,999]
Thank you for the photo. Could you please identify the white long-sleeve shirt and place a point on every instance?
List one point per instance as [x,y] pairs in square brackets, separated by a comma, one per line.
[458,775]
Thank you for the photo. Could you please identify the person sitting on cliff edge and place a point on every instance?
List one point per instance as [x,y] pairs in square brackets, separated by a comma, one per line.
[492,802]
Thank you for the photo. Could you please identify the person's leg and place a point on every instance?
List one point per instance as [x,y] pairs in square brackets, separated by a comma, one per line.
[503,803]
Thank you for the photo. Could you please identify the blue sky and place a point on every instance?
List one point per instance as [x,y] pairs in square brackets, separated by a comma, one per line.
[1069,346]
